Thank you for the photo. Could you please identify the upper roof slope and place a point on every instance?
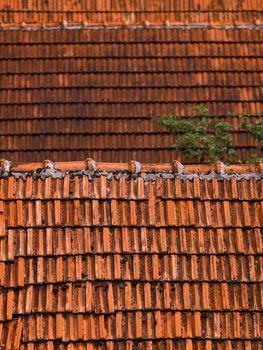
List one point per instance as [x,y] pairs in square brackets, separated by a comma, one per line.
[131,256]
[50,12]
[67,93]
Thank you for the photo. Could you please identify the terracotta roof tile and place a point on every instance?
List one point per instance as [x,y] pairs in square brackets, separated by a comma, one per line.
[67,94]
[129,12]
[128,255]
[10,334]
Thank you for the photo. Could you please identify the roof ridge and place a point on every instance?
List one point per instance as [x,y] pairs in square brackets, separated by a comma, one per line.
[133,167]
[144,25]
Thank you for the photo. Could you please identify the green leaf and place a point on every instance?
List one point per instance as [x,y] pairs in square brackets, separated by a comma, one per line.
[205,138]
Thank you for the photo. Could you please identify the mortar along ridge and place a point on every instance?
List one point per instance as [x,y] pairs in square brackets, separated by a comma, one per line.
[133,169]
[188,26]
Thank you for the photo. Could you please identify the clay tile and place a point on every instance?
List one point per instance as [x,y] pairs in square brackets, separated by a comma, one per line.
[219,167]
[22,24]
[64,23]
[134,167]
[126,21]
[167,23]
[47,164]
[177,167]
[146,23]
[260,166]
[5,166]
[90,164]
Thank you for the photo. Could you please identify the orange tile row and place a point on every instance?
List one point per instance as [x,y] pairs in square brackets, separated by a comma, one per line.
[127,6]
[94,126]
[131,50]
[146,267]
[10,336]
[120,110]
[122,66]
[128,188]
[128,80]
[241,35]
[143,325]
[117,155]
[179,213]
[167,344]
[80,241]
[126,95]
[146,147]
[95,134]
[111,297]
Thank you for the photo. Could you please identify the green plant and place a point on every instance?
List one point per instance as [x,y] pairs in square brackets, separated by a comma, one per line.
[201,137]
[255,130]
[206,138]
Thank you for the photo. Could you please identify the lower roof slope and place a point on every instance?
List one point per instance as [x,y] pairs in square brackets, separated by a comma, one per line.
[131,256]
[66,94]
[50,12]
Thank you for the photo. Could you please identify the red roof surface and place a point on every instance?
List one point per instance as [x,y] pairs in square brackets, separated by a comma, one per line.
[66,94]
[51,12]
[131,256]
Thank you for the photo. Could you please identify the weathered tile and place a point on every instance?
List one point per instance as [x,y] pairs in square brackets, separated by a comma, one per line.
[68,93]
[114,263]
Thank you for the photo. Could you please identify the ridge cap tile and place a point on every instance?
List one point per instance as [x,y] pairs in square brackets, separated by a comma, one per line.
[103,168]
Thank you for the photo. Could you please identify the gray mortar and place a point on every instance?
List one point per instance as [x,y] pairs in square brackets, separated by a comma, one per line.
[5,169]
[49,172]
[109,27]
[138,167]
[58,174]
[93,165]
[180,168]
[222,168]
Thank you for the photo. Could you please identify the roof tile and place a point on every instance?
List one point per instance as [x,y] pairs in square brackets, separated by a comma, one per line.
[84,81]
[165,257]
[43,13]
